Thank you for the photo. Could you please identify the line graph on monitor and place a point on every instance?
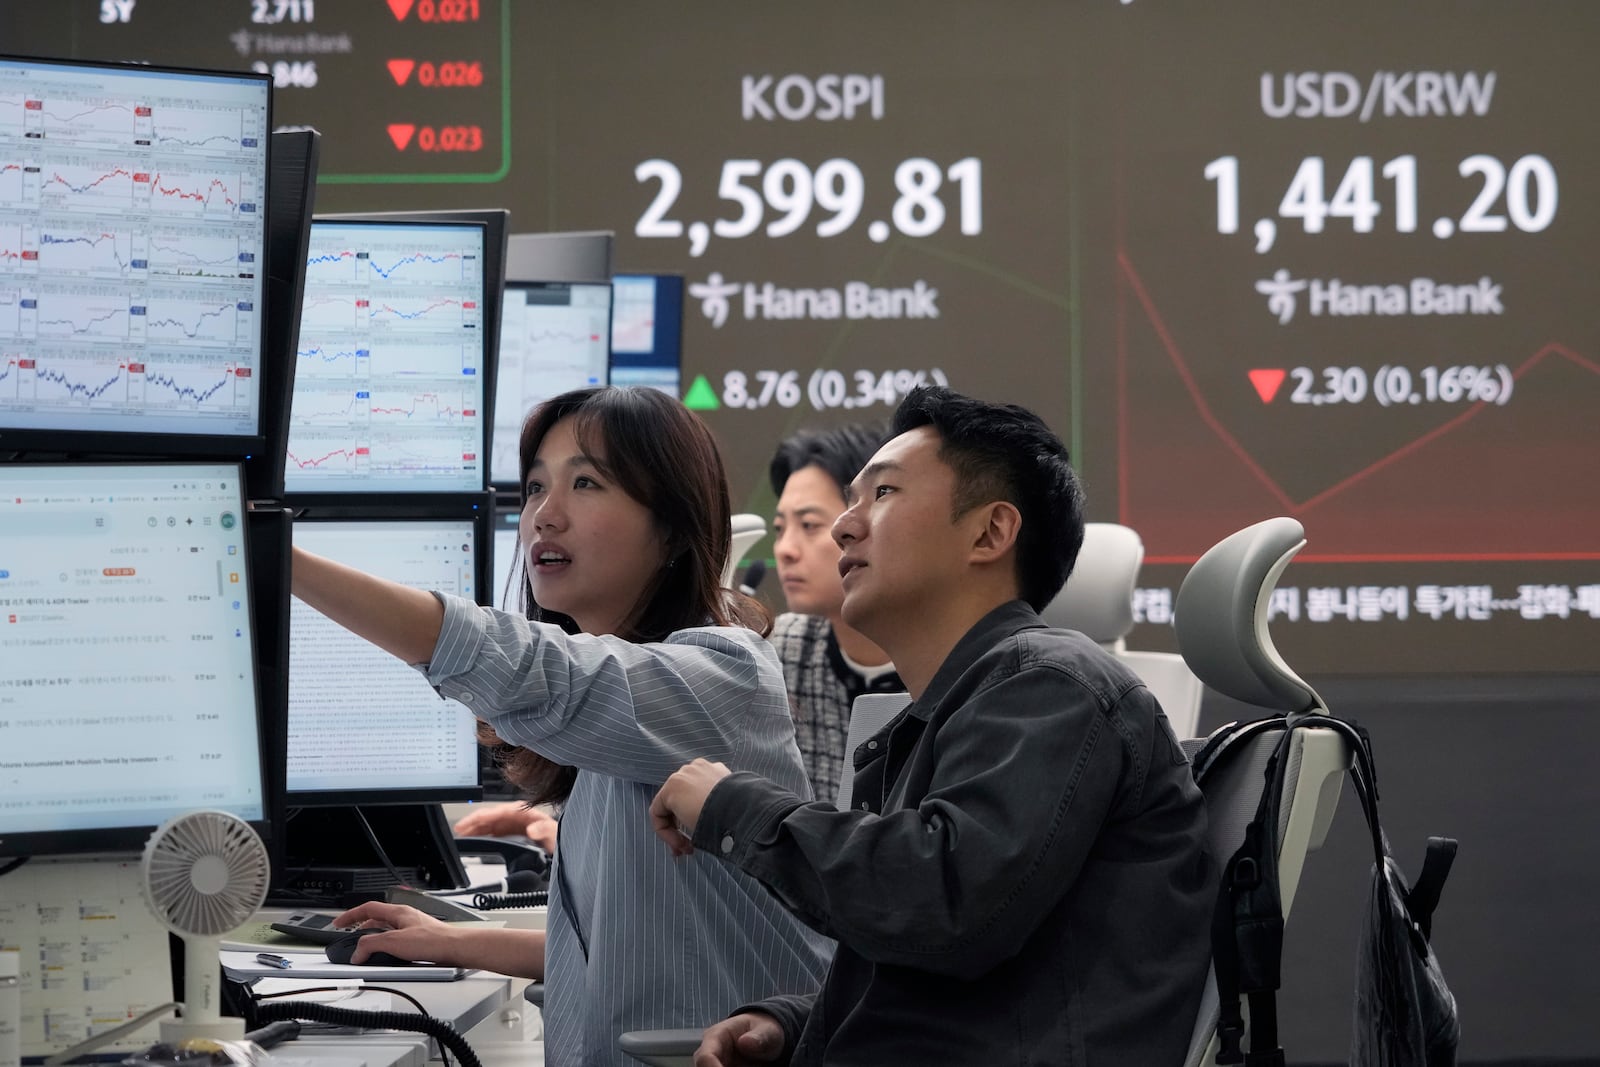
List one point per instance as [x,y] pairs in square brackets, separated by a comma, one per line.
[316,459]
[211,321]
[219,129]
[92,252]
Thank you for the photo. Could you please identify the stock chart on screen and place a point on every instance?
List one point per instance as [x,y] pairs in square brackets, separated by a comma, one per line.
[554,337]
[130,249]
[389,373]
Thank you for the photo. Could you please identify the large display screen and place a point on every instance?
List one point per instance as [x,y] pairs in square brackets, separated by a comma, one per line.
[127,685]
[131,249]
[388,388]
[1330,260]
[554,337]
[360,721]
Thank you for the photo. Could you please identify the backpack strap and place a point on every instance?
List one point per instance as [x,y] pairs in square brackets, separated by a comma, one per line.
[1225,738]
[1424,896]
[1247,924]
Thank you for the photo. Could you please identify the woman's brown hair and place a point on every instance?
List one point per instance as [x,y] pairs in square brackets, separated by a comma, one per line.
[660,454]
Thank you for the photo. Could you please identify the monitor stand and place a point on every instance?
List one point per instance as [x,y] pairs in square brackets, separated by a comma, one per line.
[329,860]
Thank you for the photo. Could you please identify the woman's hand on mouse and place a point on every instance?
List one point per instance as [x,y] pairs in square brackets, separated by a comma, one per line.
[411,935]
[407,933]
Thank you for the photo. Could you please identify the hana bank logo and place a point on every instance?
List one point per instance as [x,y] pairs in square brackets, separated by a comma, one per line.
[1280,292]
[852,300]
[1413,296]
[713,294]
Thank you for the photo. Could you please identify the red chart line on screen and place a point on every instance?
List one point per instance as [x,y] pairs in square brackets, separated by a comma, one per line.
[1426,500]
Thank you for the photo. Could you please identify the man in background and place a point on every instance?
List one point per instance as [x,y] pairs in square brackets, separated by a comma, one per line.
[827,663]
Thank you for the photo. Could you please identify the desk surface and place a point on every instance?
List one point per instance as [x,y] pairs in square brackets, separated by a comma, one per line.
[475,1001]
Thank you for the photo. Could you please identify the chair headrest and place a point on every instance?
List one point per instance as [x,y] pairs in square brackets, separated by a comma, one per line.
[1221,618]
[747,530]
[1098,597]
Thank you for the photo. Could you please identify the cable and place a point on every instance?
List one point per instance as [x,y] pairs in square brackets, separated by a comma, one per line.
[372,839]
[274,1034]
[495,901]
[407,997]
[438,1029]
[402,994]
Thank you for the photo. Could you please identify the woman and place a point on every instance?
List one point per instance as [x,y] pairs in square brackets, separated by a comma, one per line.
[632,661]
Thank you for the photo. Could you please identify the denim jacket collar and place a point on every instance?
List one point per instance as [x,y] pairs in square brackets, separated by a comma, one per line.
[1011,617]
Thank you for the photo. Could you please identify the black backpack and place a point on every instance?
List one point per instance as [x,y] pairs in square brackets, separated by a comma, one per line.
[1404,1014]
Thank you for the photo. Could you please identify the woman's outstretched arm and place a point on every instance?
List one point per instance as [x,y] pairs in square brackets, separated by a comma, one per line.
[396,618]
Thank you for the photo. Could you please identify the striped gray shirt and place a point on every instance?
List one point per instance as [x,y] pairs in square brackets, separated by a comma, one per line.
[669,943]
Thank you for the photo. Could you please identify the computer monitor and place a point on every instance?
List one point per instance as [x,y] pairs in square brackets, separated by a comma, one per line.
[647,331]
[496,234]
[363,727]
[389,382]
[292,195]
[554,337]
[127,686]
[132,248]
[576,256]
[506,590]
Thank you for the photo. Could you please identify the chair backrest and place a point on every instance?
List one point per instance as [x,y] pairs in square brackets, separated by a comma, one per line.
[1221,618]
[747,530]
[1098,601]
[1098,598]
[1222,631]
[869,713]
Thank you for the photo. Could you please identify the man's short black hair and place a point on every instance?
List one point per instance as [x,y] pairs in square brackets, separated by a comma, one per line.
[1006,452]
[840,452]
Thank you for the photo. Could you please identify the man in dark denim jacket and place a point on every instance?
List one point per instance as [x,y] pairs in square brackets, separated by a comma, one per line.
[1022,876]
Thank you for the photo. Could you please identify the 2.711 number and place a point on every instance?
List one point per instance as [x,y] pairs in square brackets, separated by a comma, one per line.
[270,11]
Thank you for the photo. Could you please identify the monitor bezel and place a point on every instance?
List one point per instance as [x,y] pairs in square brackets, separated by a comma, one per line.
[507,514]
[523,284]
[118,839]
[292,184]
[486,409]
[476,509]
[61,445]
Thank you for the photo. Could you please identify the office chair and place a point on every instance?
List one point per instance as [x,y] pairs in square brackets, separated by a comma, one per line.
[869,713]
[747,530]
[1221,619]
[1098,601]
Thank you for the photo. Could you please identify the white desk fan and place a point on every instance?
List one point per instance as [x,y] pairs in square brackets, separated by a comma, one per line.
[203,873]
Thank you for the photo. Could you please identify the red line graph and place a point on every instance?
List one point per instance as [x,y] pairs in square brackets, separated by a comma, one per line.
[202,196]
[441,408]
[347,453]
[55,177]
[1129,280]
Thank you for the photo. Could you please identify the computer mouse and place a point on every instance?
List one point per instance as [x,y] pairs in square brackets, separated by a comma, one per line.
[341,950]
